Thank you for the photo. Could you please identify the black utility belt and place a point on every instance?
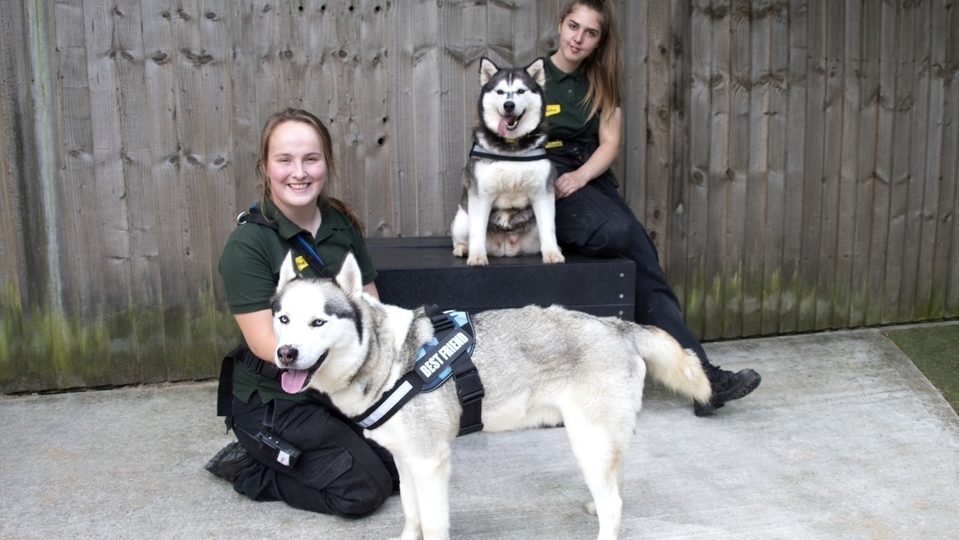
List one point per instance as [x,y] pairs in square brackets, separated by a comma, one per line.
[260,367]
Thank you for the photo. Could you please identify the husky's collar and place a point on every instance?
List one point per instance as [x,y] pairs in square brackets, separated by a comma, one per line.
[534,154]
[448,353]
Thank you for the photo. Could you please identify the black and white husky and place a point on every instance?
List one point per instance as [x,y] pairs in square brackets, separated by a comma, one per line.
[538,366]
[508,205]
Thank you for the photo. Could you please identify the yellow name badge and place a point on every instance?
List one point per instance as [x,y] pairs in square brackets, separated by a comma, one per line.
[553,144]
[300,263]
[553,109]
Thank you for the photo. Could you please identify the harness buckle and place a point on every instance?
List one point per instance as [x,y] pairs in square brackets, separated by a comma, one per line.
[469,387]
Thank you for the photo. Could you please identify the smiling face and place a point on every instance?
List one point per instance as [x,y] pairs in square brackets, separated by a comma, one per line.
[580,34]
[295,167]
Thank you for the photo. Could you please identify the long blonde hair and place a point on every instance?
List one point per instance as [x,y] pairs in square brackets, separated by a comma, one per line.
[300,115]
[605,66]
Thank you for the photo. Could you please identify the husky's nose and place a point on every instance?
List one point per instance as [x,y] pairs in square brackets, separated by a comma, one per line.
[286,355]
[509,106]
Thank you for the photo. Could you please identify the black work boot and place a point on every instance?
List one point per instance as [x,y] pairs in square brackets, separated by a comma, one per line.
[727,386]
[229,461]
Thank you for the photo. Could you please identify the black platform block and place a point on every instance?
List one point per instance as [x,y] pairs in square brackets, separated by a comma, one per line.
[422,270]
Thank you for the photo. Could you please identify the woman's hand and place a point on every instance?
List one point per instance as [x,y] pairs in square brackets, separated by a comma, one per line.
[602,158]
[569,183]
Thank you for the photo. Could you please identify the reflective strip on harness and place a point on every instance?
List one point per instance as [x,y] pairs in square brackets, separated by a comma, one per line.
[385,407]
[535,154]
[435,363]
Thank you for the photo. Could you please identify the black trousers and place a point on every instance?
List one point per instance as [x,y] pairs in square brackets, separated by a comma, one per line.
[595,221]
[339,472]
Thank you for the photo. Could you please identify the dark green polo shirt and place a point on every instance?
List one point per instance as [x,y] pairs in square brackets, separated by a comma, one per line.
[250,269]
[566,115]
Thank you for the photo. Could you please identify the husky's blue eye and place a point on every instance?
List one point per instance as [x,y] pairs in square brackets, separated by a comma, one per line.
[284,319]
[521,91]
[317,323]
[500,92]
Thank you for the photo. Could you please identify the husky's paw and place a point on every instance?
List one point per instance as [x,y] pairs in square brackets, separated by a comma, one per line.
[550,257]
[477,260]
[460,250]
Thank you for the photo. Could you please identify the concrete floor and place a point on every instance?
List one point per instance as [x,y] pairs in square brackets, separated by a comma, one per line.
[844,439]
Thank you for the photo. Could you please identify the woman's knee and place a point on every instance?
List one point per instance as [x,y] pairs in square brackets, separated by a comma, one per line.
[609,240]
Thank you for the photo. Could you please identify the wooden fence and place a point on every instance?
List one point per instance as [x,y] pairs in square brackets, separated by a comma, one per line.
[795,160]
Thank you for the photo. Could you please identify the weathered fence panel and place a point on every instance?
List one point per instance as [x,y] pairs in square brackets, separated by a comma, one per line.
[795,161]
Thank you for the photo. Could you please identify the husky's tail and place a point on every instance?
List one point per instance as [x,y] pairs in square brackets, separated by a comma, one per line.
[667,362]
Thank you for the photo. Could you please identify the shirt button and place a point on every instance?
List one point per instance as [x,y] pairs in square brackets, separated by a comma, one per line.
[569,91]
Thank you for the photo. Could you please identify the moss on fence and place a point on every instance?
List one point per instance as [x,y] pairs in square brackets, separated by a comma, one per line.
[46,350]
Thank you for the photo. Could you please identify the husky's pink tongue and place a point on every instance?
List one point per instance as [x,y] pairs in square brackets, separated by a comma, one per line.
[293,380]
[501,129]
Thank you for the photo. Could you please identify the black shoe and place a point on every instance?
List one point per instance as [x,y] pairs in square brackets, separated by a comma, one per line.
[727,386]
[229,461]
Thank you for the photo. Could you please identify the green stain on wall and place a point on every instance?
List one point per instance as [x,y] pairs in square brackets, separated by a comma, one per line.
[54,351]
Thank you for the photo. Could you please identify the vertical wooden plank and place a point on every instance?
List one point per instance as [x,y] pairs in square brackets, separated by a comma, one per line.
[454,92]
[927,147]
[697,199]
[328,77]
[716,253]
[219,173]
[850,70]
[679,140]
[884,173]
[813,173]
[375,89]
[635,101]
[776,229]
[80,247]
[659,42]
[897,276]
[757,222]
[947,257]
[825,292]
[868,79]
[247,118]
[193,69]
[737,168]
[403,106]
[159,117]
[109,225]
[269,24]
[795,167]
[431,219]
[914,72]
[23,301]
[145,313]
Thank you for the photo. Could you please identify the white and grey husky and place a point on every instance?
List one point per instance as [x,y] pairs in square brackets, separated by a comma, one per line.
[508,205]
[539,367]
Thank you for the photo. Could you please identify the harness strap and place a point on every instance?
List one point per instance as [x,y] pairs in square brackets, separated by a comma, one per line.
[450,355]
[535,154]
[300,243]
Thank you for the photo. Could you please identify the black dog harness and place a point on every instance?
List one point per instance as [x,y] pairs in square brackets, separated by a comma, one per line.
[535,154]
[448,353]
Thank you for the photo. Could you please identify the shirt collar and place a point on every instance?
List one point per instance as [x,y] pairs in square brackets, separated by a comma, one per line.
[331,222]
[557,74]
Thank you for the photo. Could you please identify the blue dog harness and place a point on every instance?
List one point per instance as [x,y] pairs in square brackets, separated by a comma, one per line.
[446,354]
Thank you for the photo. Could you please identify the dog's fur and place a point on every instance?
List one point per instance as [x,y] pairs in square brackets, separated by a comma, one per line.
[539,367]
[508,207]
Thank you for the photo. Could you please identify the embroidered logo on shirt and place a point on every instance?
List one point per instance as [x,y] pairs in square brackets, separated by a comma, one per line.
[553,109]
[300,263]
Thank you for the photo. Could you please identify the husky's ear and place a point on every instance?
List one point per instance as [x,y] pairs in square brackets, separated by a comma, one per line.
[487,70]
[537,70]
[349,277]
[288,271]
